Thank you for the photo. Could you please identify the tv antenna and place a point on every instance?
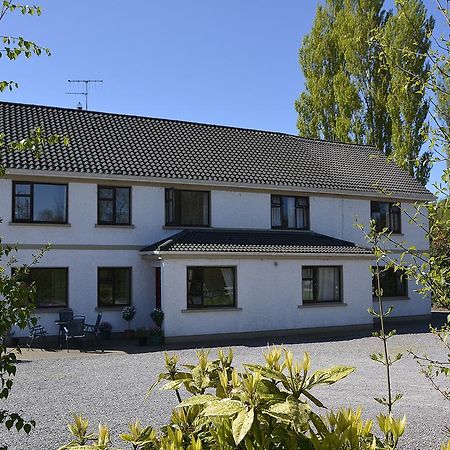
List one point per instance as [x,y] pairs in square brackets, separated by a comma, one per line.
[85,93]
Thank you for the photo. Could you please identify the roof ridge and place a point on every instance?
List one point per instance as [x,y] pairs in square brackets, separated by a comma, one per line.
[190,122]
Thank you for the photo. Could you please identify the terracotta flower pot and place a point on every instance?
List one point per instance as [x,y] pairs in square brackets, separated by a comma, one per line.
[129,334]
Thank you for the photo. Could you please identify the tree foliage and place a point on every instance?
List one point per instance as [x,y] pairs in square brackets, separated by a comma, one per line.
[354,92]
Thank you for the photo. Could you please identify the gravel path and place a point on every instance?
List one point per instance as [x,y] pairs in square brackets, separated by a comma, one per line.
[111,387]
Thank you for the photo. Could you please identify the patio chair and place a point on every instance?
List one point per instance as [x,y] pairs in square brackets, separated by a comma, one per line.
[35,332]
[65,315]
[94,330]
[75,331]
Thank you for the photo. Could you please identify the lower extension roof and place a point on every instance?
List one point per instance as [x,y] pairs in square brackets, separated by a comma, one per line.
[253,241]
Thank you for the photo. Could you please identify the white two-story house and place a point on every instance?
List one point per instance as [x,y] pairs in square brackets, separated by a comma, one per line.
[228,230]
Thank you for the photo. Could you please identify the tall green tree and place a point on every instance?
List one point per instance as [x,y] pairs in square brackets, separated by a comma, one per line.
[348,93]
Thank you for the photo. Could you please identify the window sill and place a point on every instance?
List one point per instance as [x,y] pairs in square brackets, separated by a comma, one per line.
[110,308]
[322,305]
[37,224]
[216,309]
[50,309]
[185,227]
[303,230]
[390,299]
[113,225]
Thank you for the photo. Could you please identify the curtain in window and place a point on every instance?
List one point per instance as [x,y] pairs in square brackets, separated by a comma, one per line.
[327,284]
[205,208]
[289,211]
[276,211]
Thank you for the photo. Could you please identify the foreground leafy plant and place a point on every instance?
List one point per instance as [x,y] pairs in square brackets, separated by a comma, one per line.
[262,407]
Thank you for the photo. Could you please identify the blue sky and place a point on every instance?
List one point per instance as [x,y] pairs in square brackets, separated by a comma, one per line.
[230,62]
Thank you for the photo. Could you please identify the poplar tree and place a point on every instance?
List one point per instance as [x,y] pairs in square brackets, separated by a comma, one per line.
[353,93]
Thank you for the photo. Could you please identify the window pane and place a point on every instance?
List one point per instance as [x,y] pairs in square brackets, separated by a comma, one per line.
[105,211]
[121,286]
[106,193]
[23,189]
[122,205]
[49,203]
[193,208]
[392,283]
[195,287]
[308,294]
[328,284]
[105,287]
[218,287]
[51,287]
[289,212]
[22,208]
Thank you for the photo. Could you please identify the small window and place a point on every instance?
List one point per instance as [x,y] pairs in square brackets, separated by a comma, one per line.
[321,284]
[114,205]
[211,287]
[39,202]
[51,286]
[393,284]
[386,215]
[187,208]
[114,286]
[290,212]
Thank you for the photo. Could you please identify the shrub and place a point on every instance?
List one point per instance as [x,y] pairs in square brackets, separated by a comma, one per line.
[262,407]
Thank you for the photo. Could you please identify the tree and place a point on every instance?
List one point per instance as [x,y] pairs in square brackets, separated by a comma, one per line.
[350,83]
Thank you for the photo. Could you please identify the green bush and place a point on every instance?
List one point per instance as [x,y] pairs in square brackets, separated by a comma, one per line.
[261,407]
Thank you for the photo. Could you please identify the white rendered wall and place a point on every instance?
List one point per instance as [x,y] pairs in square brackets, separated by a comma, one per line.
[268,296]
[231,209]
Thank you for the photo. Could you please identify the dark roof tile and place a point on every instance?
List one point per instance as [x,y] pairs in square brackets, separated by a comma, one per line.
[117,144]
[253,241]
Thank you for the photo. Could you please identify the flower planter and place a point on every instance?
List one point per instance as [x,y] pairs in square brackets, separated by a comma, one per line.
[155,340]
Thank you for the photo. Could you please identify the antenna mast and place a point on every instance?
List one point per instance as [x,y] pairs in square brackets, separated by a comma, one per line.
[85,93]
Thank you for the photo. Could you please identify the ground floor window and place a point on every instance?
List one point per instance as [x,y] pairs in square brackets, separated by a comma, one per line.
[211,286]
[393,284]
[51,286]
[114,286]
[321,284]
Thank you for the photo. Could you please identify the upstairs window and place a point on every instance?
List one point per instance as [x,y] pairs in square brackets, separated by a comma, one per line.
[386,215]
[187,208]
[321,284]
[393,284]
[114,205]
[290,212]
[39,202]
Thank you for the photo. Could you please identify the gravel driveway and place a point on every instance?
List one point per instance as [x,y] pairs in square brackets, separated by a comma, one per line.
[111,387]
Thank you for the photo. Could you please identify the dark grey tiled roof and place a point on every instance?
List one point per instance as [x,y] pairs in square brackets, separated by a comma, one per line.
[253,241]
[103,143]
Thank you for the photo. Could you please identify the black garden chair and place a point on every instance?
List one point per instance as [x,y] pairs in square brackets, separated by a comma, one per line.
[94,330]
[36,331]
[75,331]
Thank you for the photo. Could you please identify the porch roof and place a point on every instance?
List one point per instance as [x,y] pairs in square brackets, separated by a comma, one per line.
[253,241]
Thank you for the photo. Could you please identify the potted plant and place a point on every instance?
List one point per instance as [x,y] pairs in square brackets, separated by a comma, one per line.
[155,336]
[105,330]
[142,336]
[128,313]
[156,333]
